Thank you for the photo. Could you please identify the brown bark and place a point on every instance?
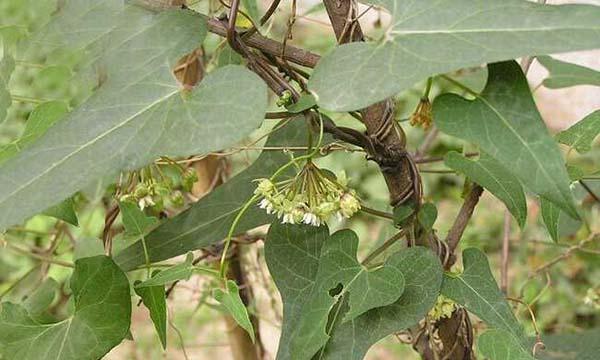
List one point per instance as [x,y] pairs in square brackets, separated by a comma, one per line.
[461,221]
[387,136]
[269,46]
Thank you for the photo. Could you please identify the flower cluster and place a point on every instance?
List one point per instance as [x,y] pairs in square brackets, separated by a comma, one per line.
[422,115]
[312,197]
[443,308]
[153,192]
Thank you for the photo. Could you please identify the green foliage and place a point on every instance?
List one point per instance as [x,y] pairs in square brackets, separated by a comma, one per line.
[499,344]
[305,102]
[429,37]
[181,271]
[423,275]
[550,216]
[153,298]
[581,346]
[7,65]
[232,303]
[478,292]
[338,276]
[581,135]
[563,74]
[494,177]
[130,129]
[503,120]
[136,223]
[427,216]
[325,290]
[251,7]
[64,211]
[39,121]
[100,321]
[108,115]
[41,298]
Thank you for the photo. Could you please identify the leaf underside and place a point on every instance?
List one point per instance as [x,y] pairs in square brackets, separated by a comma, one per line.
[138,113]
[429,37]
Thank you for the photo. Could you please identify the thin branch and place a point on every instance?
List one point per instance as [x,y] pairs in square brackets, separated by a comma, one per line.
[425,160]
[463,217]
[389,242]
[33,255]
[428,141]
[590,191]
[567,254]
[381,214]
[269,46]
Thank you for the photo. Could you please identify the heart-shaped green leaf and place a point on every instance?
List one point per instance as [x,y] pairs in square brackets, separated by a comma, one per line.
[232,303]
[423,275]
[428,37]
[100,322]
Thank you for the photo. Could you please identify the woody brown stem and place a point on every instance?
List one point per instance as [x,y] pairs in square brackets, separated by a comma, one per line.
[378,118]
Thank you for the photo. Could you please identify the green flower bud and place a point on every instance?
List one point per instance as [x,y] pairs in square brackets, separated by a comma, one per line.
[159,203]
[349,204]
[285,98]
[297,214]
[160,189]
[177,199]
[128,198]
[140,191]
[325,210]
[265,188]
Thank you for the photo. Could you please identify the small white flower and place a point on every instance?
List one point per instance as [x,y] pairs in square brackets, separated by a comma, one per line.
[311,219]
[288,219]
[297,214]
[267,205]
[265,187]
[145,202]
[264,203]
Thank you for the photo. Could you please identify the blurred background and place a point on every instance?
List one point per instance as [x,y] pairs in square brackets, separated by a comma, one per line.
[566,299]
